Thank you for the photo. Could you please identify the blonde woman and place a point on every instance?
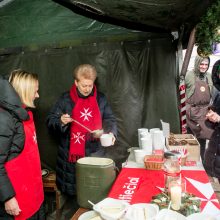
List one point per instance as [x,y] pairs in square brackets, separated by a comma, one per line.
[21,188]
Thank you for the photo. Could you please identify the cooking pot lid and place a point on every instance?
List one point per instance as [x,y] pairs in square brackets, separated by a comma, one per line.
[97,161]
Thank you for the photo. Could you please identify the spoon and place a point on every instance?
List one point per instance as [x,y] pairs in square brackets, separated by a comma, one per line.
[168,209]
[91,203]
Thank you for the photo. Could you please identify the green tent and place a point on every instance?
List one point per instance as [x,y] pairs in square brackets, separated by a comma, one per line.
[137,70]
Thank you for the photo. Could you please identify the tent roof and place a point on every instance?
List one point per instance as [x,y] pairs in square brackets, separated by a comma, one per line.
[40,23]
[26,23]
[146,15]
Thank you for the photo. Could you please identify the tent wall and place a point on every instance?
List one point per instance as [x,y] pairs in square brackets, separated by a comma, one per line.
[138,77]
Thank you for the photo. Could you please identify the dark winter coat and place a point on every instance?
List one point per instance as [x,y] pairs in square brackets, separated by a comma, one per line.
[65,171]
[11,135]
[212,154]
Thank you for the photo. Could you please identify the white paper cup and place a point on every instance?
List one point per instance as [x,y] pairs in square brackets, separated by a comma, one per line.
[106,140]
[152,130]
[158,140]
[141,133]
[142,130]
[146,144]
[139,156]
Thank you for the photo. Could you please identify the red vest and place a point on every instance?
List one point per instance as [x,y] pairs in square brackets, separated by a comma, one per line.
[24,172]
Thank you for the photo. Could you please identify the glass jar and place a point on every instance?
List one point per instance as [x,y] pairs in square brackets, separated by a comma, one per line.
[172,168]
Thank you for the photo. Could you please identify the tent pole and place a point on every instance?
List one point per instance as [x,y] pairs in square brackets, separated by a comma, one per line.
[188,53]
[182,86]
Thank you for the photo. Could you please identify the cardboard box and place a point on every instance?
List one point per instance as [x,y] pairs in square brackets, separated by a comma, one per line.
[187,141]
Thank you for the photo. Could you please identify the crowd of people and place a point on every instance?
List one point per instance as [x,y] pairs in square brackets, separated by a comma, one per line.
[21,194]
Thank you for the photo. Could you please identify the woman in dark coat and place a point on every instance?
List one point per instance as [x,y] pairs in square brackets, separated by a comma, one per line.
[212,154]
[21,187]
[88,106]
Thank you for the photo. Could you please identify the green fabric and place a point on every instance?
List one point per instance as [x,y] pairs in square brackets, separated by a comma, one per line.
[26,23]
[137,71]
[138,78]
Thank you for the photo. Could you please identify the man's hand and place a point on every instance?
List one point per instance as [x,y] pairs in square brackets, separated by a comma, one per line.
[12,207]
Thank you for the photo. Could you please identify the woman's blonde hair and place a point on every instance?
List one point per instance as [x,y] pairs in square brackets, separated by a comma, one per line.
[24,83]
[85,71]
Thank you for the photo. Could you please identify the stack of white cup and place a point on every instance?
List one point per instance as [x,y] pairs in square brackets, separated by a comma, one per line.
[141,133]
[145,140]
[158,139]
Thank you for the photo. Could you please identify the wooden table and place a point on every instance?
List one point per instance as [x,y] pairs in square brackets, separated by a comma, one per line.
[79,212]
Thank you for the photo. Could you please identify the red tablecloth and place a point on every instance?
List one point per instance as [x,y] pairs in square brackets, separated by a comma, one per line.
[137,185]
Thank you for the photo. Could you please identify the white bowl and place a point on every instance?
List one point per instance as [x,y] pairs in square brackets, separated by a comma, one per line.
[111,209]
[166,214]
[139,155]
[200,216]
[89,215]
[45,173]
[141,211]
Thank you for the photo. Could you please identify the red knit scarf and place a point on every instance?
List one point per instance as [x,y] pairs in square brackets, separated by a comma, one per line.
[86,111]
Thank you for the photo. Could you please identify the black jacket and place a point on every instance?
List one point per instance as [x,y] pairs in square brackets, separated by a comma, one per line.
[212,154]
[11,134]
[65,171]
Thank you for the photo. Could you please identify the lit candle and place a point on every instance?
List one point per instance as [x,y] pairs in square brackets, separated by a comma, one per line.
[175,194]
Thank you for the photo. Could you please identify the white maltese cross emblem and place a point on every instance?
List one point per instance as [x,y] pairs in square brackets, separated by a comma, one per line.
[35,138]
[86,114]
[78,137]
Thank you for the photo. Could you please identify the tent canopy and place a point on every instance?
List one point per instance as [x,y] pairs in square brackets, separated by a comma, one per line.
[44,23]
[146,15]
[137,70]
[47,23]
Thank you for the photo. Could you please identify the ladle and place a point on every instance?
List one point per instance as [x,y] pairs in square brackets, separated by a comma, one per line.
[96,133]
[82,125]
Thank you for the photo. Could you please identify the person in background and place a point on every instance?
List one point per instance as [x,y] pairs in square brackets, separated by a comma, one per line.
[198,96]
[83,104]
[212,153]
[215,79]
[21,187]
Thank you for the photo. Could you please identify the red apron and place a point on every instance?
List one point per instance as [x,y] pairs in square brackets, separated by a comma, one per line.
[24,172]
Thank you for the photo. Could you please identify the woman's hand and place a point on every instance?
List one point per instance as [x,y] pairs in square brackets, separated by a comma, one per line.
[65,119]
[113,138]
[12,207]
[213,116]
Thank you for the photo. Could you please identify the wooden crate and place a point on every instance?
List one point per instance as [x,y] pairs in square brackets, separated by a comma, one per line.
[187,141]
[49,184]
